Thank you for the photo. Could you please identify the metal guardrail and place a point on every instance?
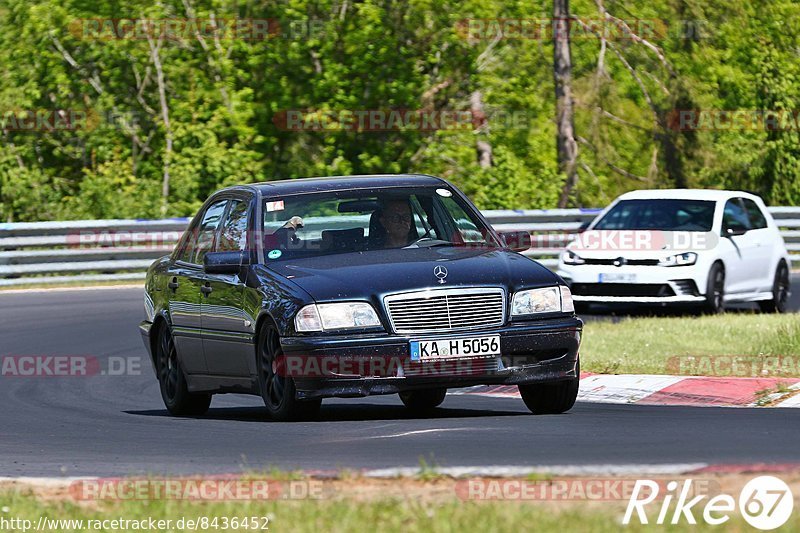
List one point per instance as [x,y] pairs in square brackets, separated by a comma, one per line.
[121,250]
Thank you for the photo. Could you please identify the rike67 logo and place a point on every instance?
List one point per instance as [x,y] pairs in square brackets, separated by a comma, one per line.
[765,503]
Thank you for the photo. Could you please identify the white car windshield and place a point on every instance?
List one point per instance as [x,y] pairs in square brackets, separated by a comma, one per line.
[659,214]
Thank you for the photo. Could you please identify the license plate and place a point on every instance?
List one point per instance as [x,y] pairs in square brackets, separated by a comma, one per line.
[450,348]
[617,278]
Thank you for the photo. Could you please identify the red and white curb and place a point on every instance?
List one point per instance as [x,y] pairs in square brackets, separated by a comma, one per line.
[672,390]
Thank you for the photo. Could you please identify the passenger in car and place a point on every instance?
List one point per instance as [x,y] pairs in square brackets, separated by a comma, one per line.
[284,237]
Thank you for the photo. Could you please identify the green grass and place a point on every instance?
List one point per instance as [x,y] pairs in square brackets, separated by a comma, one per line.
[407,515]
[660,345]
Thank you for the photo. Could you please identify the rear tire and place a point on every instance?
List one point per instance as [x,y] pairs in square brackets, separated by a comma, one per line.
[172,381]
[715,290]
[551,398]
[780,292]
[278,391]
[422,401]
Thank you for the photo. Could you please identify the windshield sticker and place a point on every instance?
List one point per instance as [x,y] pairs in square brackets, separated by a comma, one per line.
[444,192]
[275,206]
[274,254]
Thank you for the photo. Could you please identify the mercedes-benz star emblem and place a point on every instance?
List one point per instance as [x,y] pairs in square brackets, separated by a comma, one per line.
[440,272]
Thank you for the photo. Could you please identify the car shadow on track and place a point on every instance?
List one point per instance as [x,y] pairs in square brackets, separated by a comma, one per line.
[618,312]
[350,412]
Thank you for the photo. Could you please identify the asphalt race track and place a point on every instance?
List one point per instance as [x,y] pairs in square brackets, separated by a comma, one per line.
[116,424]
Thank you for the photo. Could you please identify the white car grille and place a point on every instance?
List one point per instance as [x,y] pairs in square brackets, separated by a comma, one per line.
[446,309]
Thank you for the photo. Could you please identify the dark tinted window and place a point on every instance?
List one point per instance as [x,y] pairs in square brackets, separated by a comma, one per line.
[189,242]
[233,235]
[664,215]
[757,218]
[369,221]
[207,230]
[734,216]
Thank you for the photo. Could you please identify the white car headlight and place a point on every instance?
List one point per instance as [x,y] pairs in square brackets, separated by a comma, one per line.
[546,300]
[345,315]
[685,259]
[571,258]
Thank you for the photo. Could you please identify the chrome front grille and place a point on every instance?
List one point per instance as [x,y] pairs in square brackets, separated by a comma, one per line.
[446,309]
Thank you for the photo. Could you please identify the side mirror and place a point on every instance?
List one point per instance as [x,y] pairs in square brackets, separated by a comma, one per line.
[517,241]
[583,227]
[735,231]
[225,262]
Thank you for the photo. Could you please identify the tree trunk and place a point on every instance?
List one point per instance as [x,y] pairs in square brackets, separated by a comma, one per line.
[481,124]
[562,75]
[162,96]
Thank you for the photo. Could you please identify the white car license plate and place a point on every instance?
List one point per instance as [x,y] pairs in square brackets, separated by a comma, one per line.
[449,348]
[617,278]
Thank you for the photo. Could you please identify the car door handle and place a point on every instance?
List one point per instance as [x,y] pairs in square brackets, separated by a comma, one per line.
[206,289]
[173,284]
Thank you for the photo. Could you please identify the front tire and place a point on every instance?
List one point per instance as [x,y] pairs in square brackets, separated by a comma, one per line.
[780,292]
[172,382]
[277,390]
[715,290]
[551,398]
[422,401]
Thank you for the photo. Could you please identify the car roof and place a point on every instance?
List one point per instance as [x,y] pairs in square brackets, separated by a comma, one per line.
[685,194]
[340,183]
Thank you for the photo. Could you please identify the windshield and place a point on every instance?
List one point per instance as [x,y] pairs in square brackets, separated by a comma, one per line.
[366,221]
[664,215]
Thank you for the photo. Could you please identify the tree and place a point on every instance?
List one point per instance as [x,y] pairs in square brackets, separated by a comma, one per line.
[562,75]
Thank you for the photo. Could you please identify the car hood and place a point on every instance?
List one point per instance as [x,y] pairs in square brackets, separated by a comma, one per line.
[640,244]
[369,275]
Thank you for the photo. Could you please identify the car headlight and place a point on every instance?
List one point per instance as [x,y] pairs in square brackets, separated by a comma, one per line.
[571,258]
[685,259]
[546,300]
[567,305]
[345,315]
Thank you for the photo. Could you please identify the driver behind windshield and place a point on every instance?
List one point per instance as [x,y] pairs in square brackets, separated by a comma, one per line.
[394,229]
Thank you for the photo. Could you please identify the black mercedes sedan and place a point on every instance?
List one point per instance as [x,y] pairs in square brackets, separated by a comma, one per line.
[304,289]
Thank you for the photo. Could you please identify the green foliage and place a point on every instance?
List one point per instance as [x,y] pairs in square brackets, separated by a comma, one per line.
[225,97]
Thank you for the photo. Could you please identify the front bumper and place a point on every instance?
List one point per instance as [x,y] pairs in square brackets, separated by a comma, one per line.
[652,285]
[144,330]
[367,364]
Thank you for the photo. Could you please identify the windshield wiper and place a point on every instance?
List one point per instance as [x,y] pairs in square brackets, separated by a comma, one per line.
[428,242]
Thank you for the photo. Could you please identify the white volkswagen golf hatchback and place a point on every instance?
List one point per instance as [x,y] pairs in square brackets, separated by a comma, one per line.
[701,247]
